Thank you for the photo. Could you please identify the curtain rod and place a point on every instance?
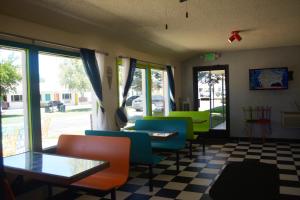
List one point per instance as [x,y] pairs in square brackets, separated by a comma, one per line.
[145,61]
[47,42]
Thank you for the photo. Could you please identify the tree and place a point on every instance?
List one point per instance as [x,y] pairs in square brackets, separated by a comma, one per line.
[73,77]
[156,77]
[211,79]
[9,76]
[137,81]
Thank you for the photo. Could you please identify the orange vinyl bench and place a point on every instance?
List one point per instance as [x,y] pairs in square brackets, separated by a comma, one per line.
[115,150]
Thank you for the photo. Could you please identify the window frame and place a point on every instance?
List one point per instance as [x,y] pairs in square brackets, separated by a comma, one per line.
[165,89]
[23,97]
[19,98]
[33,91]
[64,95]
[148,67]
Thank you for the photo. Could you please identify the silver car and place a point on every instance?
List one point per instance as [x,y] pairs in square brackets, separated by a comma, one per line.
[158,103]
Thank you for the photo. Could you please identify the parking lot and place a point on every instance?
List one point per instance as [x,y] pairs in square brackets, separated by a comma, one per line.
[75,120]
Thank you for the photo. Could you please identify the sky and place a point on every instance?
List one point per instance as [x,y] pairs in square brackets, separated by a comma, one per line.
[48,67]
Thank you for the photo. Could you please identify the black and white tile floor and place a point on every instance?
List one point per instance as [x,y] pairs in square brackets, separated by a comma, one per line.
[197,174]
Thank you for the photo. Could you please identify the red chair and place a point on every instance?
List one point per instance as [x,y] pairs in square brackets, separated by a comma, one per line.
[264,121]
[259,115]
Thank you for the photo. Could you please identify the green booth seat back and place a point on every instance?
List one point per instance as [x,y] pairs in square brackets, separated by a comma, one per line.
[190,133]
[201,119]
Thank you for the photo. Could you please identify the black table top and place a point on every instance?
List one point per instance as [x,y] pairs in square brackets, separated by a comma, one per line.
[52,168]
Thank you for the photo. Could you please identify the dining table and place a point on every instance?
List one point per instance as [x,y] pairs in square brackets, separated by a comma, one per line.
[52,168]
[157,135]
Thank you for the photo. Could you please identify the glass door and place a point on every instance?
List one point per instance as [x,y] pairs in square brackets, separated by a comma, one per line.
[211,94]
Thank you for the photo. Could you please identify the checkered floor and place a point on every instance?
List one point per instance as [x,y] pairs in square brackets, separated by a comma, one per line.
[197,174]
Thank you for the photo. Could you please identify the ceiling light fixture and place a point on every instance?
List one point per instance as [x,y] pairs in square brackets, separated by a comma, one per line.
[186,12]
[166,25]
[186,7]
[234,36]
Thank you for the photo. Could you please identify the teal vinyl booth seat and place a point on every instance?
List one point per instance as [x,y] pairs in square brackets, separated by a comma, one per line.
[140,149]
[175,143]
[190,136]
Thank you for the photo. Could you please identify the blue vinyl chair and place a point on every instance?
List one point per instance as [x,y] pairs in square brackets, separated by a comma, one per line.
[175,143]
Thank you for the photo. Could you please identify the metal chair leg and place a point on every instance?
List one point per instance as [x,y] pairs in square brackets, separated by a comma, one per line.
[150,178]
[177,161]
[203,146]
[113,194]
[191,149]
[50,191]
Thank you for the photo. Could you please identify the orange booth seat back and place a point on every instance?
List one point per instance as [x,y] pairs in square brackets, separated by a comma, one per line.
[115,150]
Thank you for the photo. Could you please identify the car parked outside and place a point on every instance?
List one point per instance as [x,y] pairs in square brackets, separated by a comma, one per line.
[157,103]
[130,99]
[137,104]
[55,104]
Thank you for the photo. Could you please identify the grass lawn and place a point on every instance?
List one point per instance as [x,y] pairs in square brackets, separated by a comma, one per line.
[217,116]
[53,124]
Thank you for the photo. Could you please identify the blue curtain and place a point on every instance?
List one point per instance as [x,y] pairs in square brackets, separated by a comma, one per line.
[121,116]
[171,88]
[91,68]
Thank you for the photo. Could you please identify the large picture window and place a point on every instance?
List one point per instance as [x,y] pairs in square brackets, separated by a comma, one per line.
[66,106]
[13,99]
[45,92]
[140,91]
[136,99]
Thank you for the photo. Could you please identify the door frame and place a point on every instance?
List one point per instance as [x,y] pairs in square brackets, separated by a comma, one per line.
[196,69]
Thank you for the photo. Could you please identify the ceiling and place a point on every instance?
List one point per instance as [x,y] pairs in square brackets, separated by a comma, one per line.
[140,24]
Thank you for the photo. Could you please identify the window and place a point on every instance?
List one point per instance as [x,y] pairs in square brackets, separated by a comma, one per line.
[62,104]
[66,96]
[136,98]
[159,92]
[137,105]
[63,78]
[211,84]
[13,99]
[16,98]
[47,97]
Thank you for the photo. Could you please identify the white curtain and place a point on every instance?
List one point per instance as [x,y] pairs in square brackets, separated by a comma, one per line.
[100,120]
[126,65]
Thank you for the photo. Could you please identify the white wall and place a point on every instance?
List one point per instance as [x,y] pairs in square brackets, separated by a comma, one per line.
[239,64]
[88,40]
